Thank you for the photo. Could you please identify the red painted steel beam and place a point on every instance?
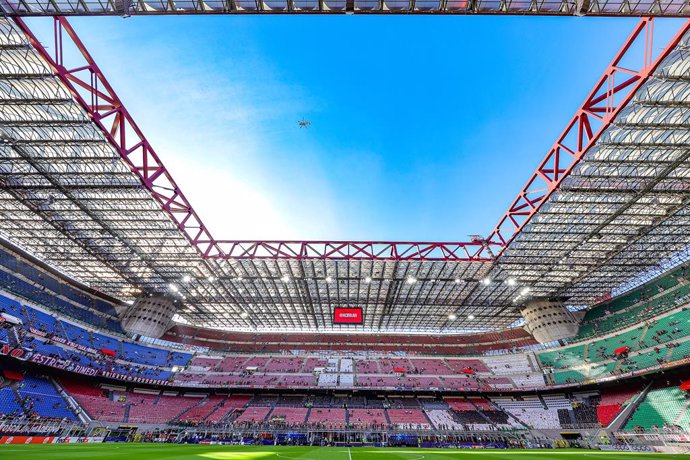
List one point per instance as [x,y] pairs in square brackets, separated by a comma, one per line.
[615,89]
[90,88]
[357,250]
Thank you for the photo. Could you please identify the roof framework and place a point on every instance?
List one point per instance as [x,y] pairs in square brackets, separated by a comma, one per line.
[610,201]
[84,190]
[456,7]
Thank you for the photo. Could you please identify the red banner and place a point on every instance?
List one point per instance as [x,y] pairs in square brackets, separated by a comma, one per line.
[621,350]
[348,316]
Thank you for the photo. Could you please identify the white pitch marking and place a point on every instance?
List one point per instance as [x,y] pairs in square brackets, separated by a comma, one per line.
[349,454]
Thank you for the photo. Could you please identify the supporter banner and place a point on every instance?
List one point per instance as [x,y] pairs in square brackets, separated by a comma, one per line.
[108,352]
[129,378]
[37,332]
[27,439]
[64,364]
[347,315]
[13,320]
[62,340]
[18,353]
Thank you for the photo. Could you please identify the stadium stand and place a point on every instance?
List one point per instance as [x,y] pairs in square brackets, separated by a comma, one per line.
[40,398]
[327,417]
[367,418]
[664,408]
[408,418]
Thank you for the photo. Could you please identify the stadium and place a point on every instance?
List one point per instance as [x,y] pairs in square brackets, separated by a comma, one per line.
[128,330]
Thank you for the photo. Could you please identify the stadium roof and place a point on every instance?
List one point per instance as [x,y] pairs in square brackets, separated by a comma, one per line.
[83,190]
[456,7]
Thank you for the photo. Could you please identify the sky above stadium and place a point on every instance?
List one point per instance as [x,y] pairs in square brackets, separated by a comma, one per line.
[423,128]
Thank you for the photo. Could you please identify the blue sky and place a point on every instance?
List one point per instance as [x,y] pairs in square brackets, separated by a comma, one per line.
[423,128]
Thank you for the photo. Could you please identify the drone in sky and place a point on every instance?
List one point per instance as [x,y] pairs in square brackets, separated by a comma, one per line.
[304,123]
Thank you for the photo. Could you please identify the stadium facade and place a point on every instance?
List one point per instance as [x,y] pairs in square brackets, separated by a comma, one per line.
[120,311]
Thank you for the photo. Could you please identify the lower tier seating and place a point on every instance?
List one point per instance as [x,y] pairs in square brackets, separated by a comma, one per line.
[663,409]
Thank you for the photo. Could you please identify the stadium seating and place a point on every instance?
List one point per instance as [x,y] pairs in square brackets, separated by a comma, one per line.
[10,404]
[443,420]
[227,407]
[97,404]
[366,418]
[531,411]
[199,412]
[155,408]
[36,285]
[327,417]
[664,408]
[40,397]
[291,416]
[408,418]
[252,415]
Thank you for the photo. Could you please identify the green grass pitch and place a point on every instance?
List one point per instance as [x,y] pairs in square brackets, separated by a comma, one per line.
[197,452]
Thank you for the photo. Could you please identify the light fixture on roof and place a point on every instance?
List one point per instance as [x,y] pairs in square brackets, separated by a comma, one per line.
[186,278]
[411,280]
[457,280]
[173,287]
[486,281]
[211,279]
[367,279]
[470,317]
[511,282]
[329,279]
[244,314]
[285,279]
[524,290]
[239,278]
[452,317]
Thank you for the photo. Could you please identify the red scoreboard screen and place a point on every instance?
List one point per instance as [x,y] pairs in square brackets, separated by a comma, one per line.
[347,316]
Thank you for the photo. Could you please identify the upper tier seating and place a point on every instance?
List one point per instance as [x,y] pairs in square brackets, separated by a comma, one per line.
[655,297]
[280,364]
[28,281]
[124,350]
[658,341]
[250,342]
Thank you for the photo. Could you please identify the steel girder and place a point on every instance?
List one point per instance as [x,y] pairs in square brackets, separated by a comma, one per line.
[451,7]
[85,192]
[608,207]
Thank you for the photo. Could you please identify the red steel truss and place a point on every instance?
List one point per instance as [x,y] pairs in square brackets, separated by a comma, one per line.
[96,96]
[627,73]
[93,92]
[624,8]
